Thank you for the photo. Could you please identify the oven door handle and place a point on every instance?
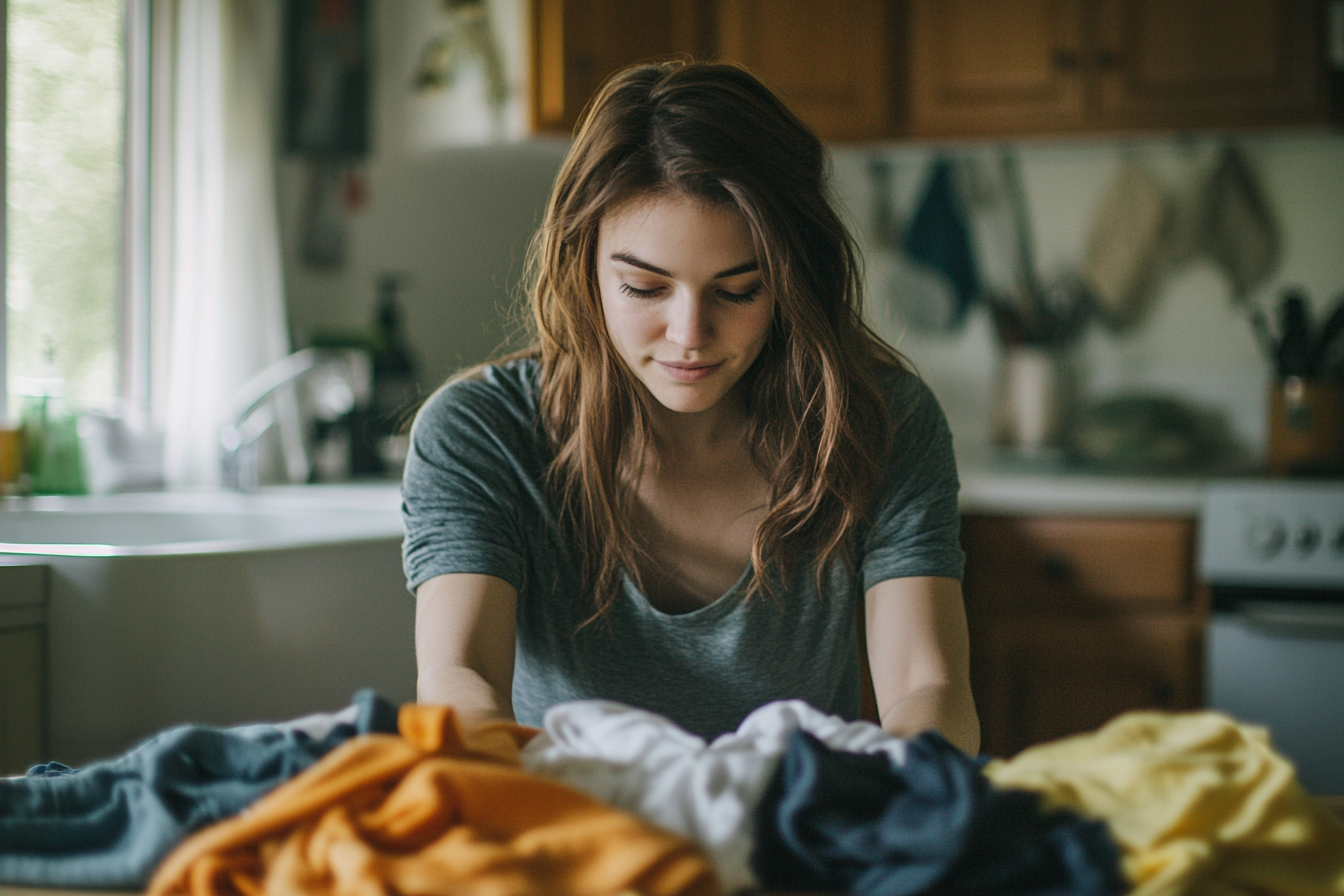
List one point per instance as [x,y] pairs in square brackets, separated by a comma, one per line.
[1301,620]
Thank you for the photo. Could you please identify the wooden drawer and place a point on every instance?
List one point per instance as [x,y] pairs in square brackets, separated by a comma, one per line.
[1023,562]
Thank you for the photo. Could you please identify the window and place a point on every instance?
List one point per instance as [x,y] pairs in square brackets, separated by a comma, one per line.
[65,178]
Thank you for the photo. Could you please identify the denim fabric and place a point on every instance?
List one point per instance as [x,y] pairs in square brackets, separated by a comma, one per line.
[110,823]
[833,820]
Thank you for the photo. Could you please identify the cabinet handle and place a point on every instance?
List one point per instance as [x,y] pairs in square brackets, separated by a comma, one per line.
[1108,60]
[1065,61]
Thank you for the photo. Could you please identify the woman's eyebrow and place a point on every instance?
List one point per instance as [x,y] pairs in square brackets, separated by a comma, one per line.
[744,268]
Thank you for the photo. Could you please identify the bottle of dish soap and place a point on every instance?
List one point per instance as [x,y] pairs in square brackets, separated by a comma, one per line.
[51,435]
[378,443]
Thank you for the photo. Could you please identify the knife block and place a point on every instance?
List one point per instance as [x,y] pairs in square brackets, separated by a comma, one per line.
[1306,427]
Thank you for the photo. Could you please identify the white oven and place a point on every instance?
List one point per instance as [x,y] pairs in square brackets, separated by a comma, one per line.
[1273,554]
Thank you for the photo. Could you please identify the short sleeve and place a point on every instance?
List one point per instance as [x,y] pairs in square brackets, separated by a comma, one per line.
[916,524]
[471,474]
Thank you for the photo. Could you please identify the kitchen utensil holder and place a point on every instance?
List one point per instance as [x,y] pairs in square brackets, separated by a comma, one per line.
[1036,397]
[1306,427]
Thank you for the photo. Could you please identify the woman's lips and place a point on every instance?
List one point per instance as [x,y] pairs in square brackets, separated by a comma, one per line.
[692,372]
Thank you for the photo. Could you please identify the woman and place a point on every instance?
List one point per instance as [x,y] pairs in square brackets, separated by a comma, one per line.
[677,499]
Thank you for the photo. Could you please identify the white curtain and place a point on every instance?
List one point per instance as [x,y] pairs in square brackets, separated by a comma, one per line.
[218,290]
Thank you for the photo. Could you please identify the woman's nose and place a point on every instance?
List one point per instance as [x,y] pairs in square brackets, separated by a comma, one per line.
[688,325]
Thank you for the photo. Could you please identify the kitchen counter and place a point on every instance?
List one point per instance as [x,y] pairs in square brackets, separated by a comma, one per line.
[999,485]
[998,491]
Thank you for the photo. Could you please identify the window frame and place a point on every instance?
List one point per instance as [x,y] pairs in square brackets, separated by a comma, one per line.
[132,296]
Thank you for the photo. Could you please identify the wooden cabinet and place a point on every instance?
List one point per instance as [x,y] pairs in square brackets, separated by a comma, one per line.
[22,667]
[576,44]
[878,69]
[1074,621]
[1021,66]
[835,62]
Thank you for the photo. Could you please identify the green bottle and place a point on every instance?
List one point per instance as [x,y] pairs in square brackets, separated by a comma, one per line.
[51,437]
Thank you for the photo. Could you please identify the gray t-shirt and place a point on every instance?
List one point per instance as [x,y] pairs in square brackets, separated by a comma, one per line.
[474,500]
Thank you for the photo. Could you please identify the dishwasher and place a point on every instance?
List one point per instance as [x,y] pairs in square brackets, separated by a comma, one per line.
[1272,553]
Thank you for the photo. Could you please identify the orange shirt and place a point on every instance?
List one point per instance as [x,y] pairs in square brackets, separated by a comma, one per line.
[440,809]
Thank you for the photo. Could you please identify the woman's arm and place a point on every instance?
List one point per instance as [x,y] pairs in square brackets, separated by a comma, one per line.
[464,643]
[919,654]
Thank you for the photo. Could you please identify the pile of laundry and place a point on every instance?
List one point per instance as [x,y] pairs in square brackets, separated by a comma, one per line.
[608,799]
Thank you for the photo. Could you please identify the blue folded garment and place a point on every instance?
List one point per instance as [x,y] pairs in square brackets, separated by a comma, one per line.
[832,820]
[108,825]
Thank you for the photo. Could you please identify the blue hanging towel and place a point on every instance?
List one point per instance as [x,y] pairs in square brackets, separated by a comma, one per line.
[939,236]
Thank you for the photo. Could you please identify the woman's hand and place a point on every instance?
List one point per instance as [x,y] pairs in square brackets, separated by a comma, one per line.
[464,644]
[919,655]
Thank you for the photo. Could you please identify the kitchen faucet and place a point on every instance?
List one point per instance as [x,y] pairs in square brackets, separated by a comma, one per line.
[338,381]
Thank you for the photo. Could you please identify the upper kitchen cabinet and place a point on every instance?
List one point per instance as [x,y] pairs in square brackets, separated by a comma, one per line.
[576,44]
[985,67]
[836,63]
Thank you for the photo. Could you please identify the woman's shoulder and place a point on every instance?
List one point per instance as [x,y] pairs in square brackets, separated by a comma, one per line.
[494,394]
[908,398]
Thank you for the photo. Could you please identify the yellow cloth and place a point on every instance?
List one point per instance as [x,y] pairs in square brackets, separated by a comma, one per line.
[438,810]
[1198,803]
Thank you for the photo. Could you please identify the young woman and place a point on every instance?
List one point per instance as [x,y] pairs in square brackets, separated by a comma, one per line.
[679,497]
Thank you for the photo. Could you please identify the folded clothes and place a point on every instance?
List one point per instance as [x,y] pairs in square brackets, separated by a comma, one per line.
[645,764]
[441,809]
[832,820]
[109,824]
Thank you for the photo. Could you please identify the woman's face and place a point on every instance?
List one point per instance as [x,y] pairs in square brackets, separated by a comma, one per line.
[683,298]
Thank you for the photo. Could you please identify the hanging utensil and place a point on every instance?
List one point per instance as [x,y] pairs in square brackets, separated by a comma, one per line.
[902,292]
[1239,231]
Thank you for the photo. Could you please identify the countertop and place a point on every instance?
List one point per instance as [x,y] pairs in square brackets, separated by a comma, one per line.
[1008,486]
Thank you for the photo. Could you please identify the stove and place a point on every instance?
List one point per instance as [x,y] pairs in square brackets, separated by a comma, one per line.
[1273,556]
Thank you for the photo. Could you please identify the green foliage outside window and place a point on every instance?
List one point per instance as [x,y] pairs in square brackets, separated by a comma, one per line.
[66,109]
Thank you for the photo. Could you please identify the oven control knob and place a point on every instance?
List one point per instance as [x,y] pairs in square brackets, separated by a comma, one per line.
[1308,538]
[1266,536]
[1337,541]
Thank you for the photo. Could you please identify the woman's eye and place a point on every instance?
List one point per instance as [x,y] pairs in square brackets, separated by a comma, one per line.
[638,293]
[741,298]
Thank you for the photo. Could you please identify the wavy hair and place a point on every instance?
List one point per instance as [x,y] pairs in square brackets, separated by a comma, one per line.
[819,429]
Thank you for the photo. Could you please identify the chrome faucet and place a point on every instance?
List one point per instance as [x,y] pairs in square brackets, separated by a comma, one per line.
[338,381]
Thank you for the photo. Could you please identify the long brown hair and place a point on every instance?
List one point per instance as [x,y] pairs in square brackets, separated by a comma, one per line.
[819,429]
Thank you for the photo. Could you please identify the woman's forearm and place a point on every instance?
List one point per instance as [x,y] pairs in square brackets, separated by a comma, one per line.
[466,690]
[947,708]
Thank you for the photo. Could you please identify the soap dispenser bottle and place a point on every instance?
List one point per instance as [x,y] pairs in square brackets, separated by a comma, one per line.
[51,436]
[394,387]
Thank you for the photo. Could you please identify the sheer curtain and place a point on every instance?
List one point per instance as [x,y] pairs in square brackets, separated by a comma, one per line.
[217,289]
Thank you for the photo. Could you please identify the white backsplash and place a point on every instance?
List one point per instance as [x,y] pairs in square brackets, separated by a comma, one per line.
[1195,344]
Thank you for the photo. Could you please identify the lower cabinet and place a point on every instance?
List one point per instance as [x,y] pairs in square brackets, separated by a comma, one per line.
[1074,621]
[22,667]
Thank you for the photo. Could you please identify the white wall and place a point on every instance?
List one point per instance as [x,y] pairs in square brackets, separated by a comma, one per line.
[458,221]
[455,219]
[1196,343]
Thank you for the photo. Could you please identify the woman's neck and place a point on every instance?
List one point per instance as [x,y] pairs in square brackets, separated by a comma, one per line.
[707,432]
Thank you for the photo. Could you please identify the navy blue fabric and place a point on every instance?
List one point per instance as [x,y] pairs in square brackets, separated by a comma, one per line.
[832,820]
[940,237]
[110,823]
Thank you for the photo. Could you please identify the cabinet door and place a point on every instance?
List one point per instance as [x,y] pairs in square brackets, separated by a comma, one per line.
[1209,63]
[833,62]
[21,661]
[1040,679]
[996,66]
[577,44]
